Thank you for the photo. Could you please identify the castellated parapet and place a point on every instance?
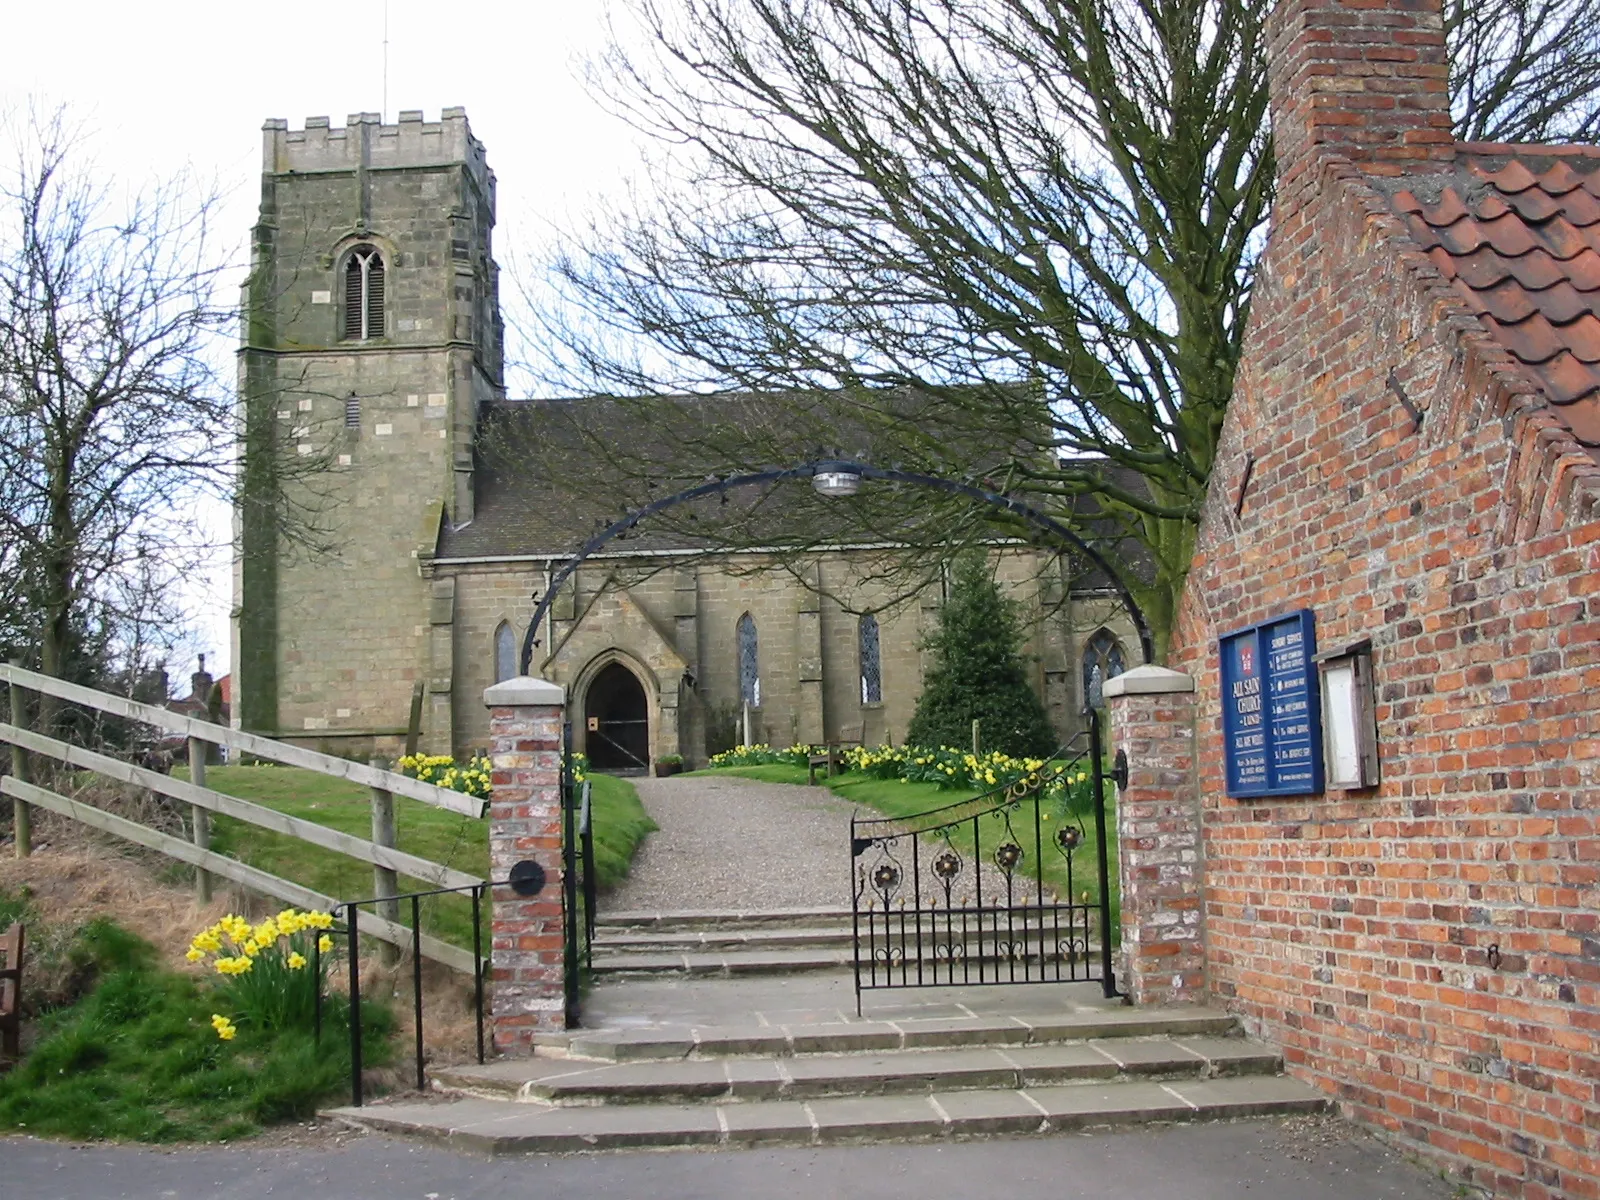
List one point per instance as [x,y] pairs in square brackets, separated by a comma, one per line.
[365,140]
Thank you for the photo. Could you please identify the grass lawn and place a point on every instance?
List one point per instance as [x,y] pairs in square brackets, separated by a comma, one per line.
[453,839]
[136,1058]
[898,798]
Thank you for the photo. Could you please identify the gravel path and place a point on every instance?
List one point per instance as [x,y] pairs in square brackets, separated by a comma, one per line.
[738,844]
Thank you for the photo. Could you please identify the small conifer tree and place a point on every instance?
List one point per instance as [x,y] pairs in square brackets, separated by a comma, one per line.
[977,673]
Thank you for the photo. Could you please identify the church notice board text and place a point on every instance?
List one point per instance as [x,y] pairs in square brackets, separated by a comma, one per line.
[1272,708]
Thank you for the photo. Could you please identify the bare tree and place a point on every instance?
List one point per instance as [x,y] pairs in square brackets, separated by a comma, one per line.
[1524,70]
[114,425]
[1040,218]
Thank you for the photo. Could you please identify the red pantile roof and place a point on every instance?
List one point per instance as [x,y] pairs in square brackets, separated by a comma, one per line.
[1517,230]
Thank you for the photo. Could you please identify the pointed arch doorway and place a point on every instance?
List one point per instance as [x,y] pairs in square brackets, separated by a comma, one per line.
[617,714]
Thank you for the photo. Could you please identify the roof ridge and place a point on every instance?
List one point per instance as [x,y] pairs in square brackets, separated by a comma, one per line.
[1542,149]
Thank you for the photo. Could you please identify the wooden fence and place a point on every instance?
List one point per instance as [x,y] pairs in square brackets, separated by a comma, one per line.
[386,859]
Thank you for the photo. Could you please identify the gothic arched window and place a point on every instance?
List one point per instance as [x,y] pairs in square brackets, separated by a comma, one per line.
[749,663]
[871,662]
[505,653]
[1102,660]
[363,294]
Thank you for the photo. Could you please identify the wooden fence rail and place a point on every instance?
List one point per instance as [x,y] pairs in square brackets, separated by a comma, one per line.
[229,868]
[248,743]
[435,874]
[206,800]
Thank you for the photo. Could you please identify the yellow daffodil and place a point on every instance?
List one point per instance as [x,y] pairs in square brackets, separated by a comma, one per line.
[295,960]
[325,943]
[194,955]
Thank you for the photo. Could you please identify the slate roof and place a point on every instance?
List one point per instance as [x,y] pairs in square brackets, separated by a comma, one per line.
[552,474]
[1516,229]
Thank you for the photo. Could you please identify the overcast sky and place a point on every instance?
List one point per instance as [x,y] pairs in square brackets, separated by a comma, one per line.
[171,83]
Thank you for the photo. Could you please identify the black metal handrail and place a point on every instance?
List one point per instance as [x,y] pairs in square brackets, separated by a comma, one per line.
[590,883]
[352,932]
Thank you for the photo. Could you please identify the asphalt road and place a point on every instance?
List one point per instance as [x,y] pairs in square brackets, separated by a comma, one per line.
[1299,1159]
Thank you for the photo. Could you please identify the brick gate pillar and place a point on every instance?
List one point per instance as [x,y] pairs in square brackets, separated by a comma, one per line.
[527,998]
[1160,861]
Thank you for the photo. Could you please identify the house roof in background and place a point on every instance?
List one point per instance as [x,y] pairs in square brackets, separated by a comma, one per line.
[551,474]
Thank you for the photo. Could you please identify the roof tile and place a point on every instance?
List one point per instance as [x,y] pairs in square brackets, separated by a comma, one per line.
[1583,338]
[1508,301]
[1492,206]
[1512,178]
[1559,179]
[1447,210]
[1517,229]
[1563,238]
[1534,341]
[1535,204]
[1563,303]
[1569,380]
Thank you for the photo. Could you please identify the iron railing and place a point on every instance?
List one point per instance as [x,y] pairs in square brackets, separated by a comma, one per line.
[351,930]
[977,905]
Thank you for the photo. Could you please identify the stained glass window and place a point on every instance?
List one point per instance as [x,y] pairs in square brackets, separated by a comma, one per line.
[749,663]
[1102,660]
[871,662]
[505,653]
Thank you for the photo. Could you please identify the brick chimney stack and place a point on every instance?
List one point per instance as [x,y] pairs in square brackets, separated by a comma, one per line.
[1363,79]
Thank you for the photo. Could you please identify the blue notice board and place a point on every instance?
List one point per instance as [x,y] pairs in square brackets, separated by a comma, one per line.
[1272,708]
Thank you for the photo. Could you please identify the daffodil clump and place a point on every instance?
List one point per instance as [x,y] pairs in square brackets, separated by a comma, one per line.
[762,754]
[951,768]
[473,777]
[265,967]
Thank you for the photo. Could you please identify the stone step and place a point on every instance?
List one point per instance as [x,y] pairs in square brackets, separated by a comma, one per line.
[721,964]
[499,1127]
[978,962]
[551,1081]
[914,1033]
[724,919]
[708,940]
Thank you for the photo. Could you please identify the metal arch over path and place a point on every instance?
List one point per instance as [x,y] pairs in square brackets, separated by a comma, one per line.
[836,466]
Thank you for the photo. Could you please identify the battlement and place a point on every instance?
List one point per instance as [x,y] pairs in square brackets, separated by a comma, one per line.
[365,140]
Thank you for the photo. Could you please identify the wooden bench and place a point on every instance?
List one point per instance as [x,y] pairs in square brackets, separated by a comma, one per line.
[11,996]
[833,755]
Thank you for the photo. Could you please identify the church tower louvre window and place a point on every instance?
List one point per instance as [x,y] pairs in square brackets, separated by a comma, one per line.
[749,663]
[363,294]
[871,661]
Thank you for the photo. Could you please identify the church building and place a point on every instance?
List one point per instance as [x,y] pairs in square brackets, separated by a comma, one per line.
[403,546]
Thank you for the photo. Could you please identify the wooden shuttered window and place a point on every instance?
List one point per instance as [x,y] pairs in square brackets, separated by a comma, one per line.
[363,294]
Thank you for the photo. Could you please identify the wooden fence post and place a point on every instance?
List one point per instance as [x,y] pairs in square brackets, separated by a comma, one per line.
[385,882]
[414,722]
[201,818]
[21,814]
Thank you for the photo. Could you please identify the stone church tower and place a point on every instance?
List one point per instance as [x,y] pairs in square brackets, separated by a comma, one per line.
[399,513]
[371,338]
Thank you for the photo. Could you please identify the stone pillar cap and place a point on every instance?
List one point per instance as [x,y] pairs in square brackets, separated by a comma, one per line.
[523,691]
[1148,680]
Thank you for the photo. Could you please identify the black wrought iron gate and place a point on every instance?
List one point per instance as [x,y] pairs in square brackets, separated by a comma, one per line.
[578,880]
[986,891]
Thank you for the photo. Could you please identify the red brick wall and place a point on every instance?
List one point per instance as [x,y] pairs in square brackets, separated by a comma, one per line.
[1355,928]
